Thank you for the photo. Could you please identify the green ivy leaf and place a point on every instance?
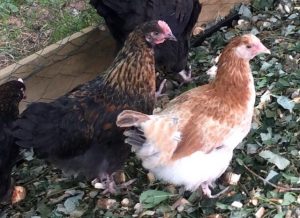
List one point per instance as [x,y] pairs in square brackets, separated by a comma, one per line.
[151,198]
[276,159]
[288,199]
[286,103]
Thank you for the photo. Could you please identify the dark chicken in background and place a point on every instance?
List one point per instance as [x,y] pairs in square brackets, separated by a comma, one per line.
[122,16]
[77,132]
[11,93]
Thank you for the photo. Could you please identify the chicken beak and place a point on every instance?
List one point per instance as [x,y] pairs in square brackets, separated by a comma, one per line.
[171,37]
[263,49]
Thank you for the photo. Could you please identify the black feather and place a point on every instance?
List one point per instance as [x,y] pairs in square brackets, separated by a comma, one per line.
[122,17]
[11,93]
[135,137]
[77,132]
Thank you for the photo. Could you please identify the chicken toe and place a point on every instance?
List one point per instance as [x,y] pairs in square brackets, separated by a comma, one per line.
[206,190]
[109,186]
[114,188]
[158,93]
[186,75]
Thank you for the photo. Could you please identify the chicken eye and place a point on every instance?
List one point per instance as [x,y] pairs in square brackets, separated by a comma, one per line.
[156,33]
[248,46]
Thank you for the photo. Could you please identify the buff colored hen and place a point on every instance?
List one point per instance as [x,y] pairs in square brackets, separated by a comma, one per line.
[191,141]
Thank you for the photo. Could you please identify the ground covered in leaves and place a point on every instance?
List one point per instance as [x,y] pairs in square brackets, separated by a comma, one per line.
[268,160]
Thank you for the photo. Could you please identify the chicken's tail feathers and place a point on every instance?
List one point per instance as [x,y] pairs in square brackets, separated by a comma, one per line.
[28,132]
[21,131]
[129,118]
[153,138]
[135,137]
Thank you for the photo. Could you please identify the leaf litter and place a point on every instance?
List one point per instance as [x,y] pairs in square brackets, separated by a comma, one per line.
[268,160]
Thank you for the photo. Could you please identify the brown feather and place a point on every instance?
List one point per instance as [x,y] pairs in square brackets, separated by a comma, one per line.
[191,141]
[126,70]
[130,118]
[206,113]
[77,132]
[223,102]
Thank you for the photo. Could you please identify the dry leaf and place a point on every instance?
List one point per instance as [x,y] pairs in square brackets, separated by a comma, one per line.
[125,202]
[237,204]
[197,30]
[19,193]
[151,178]
[180,202]
[105,203]
[215,216]
[260,212]
[232,178]
[119,177]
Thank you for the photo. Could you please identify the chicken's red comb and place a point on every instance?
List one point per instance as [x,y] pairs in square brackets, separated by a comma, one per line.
[164,26]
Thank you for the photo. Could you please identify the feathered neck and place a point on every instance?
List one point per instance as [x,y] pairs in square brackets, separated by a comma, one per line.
[232,70]
[133,70]
[234,80]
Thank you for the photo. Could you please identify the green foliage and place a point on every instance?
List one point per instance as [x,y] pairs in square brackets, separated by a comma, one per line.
[8,7]
[288,199]
[152,198]
[271,149]
[262,4]
[27,26]
[67,23]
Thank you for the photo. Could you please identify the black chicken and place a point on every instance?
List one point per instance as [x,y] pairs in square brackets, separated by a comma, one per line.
[11,93]
[77,132]
[122,16]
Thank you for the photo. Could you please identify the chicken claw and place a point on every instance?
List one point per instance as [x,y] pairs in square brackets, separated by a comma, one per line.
[186,75]
[159,91]
[109,185]
[206,190]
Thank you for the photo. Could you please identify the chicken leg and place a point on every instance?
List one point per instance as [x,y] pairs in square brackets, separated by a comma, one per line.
[206,190]
[186,75]
[109,185]
[159,91]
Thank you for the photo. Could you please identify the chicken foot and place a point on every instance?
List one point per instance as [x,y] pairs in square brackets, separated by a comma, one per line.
[186,75]
[206,190]
[159,91]
[109,185]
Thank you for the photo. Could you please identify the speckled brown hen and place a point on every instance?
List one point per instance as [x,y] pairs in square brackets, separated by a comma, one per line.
[77,132]
[11,93]
[191,141]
